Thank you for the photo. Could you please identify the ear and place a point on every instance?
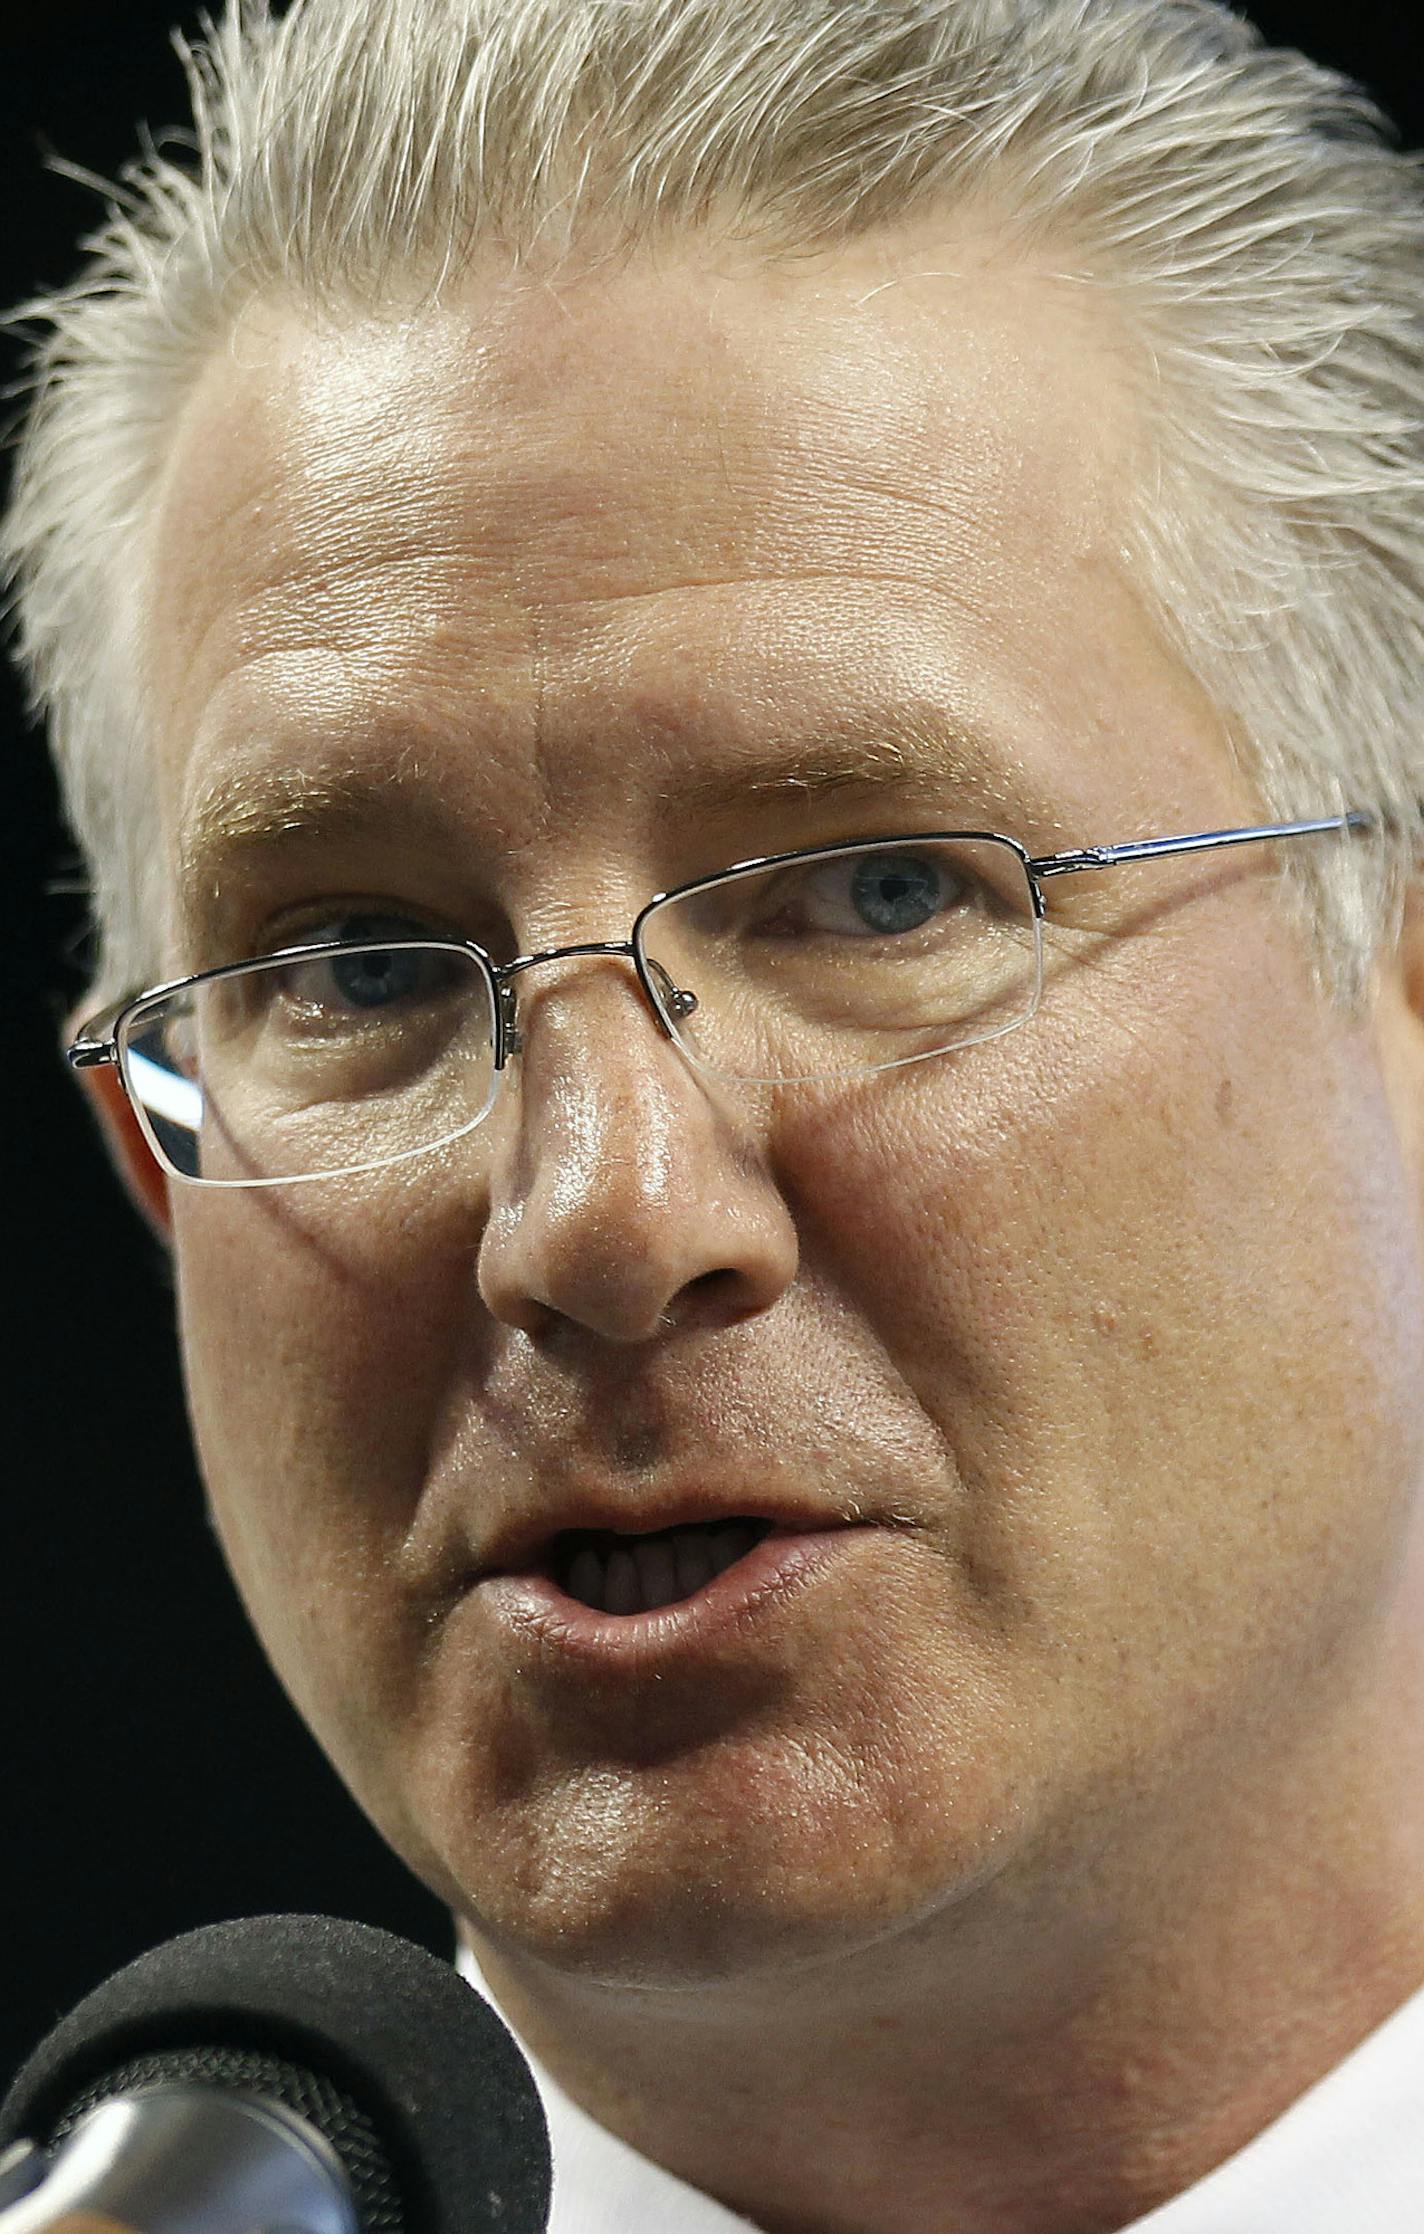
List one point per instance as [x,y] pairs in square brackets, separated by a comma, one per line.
[144,1178]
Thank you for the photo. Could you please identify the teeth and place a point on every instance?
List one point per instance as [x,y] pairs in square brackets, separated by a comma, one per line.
[621,1591]
[731,1544]
[692,1556]
[657,1570]
[585,1577]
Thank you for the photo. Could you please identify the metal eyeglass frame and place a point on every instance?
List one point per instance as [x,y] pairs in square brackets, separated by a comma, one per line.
[98,1040]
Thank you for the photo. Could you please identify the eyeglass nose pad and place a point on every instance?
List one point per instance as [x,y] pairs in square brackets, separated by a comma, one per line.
[676,1000]
[510,1034]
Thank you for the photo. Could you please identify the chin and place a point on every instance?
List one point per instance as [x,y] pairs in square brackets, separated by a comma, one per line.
[684,1921]
[673,1946]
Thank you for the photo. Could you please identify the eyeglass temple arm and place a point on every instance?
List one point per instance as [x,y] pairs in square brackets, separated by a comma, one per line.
[1142,849]
[96,1044]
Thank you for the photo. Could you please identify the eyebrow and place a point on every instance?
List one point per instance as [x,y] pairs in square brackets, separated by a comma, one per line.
[249,814]
[262,806]
[893,756]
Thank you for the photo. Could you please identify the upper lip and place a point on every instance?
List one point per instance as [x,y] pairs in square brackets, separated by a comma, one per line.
[524,1540]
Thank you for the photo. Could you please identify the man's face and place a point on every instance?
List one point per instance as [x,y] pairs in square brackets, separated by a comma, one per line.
[1108,1329]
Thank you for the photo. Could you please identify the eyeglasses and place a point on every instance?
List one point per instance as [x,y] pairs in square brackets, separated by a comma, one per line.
[347,1055]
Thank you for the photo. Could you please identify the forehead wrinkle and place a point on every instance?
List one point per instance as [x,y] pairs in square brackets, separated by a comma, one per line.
[573,444]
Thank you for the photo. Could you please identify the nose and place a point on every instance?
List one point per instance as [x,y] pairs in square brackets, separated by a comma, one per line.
[628,1197]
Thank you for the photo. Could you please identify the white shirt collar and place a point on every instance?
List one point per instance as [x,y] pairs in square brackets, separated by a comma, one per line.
[1350,2153]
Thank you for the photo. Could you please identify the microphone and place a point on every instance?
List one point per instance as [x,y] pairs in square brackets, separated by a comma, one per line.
[277,2075]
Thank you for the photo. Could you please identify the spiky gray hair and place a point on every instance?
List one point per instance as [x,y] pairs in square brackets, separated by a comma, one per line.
[1244,206]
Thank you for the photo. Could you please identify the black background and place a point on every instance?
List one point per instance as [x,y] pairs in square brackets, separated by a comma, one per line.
[154,1777]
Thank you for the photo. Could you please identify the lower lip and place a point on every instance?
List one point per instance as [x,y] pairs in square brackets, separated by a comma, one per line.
[773,1573]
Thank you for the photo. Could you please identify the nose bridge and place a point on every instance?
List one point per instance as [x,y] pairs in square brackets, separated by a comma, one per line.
[506,972]
[623,1198]
[585,1047]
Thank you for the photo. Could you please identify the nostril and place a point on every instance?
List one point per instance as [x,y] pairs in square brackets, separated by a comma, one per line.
[724,1295]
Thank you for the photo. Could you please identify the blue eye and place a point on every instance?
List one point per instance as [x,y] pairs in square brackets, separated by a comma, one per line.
[896,891]
[874,895]
[374,977]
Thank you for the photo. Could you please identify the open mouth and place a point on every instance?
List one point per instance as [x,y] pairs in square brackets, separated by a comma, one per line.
[637,1574]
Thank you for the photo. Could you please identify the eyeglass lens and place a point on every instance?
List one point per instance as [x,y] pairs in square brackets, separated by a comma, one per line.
[854,959]
[339,1062]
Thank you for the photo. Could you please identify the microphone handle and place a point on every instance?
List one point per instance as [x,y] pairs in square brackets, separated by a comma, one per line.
[185,2159]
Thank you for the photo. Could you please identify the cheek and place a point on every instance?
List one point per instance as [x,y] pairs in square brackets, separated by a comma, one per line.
[320,1333]
[1140,1262]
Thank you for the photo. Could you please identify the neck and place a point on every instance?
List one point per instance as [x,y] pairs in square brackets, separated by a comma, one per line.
[1062,2051]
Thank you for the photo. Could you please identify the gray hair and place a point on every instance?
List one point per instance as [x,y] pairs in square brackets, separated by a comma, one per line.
[1243,204]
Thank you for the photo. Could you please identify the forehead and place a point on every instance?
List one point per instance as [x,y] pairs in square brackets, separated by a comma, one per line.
[562,524]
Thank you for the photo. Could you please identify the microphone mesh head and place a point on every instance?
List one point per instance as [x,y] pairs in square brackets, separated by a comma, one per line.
[322,2104]
[426,2065]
